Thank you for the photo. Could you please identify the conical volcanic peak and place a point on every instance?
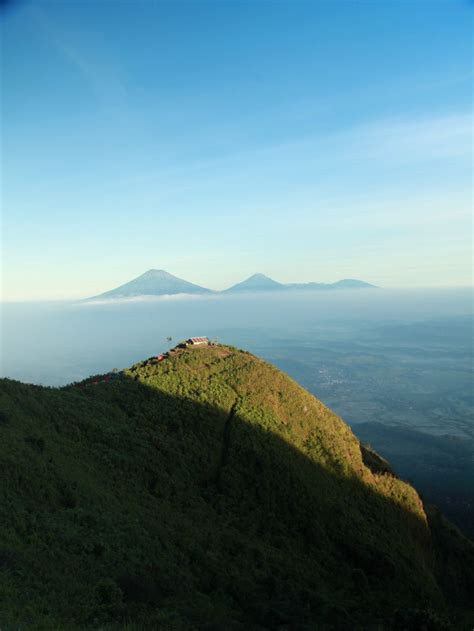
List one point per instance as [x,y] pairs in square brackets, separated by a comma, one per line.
[256,282]
[157,273]
[154,282]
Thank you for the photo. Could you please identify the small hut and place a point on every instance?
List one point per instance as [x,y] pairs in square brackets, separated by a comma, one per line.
[197,341]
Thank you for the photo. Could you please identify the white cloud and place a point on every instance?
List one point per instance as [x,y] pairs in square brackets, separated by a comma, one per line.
[139,299]
[410,139]
[403,141]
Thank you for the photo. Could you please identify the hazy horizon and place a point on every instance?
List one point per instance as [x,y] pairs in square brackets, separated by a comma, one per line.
[215,292]
[218,290]
[97,336]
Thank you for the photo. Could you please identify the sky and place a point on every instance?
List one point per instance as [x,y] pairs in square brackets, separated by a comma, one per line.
[310,141]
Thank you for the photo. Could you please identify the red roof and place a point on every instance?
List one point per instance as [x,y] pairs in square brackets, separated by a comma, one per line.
[198,340]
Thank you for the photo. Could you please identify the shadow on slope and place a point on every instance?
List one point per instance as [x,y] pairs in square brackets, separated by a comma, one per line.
[121,503]
[441,467]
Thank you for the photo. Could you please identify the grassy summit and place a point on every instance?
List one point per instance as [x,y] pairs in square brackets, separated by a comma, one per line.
[210,491]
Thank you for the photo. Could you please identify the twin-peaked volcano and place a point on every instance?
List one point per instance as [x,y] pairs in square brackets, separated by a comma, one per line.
[159,283]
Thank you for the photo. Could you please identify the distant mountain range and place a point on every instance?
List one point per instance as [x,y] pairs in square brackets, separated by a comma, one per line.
[157,282]
[260,282]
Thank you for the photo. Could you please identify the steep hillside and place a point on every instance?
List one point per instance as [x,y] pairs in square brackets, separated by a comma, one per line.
[210,491]
[440,467]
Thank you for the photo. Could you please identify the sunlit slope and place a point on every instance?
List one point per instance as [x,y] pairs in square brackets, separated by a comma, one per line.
[210,489]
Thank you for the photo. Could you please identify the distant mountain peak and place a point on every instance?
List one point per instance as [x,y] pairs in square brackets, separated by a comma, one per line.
[260,276]
[153,282]
[351,282]
[256,282]
[157,273]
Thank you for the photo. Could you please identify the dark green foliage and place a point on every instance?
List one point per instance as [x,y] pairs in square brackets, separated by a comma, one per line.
[210,491]
[420,620]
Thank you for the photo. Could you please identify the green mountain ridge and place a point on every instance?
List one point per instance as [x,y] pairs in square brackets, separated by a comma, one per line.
[210,491]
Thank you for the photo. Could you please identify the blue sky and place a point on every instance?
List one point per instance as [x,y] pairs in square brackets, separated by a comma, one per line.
[310,141]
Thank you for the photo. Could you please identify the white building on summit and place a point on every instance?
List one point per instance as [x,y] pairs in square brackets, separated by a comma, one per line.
[197,341]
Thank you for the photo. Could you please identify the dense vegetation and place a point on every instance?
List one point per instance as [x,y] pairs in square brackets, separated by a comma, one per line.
[440,467]
[210,491]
